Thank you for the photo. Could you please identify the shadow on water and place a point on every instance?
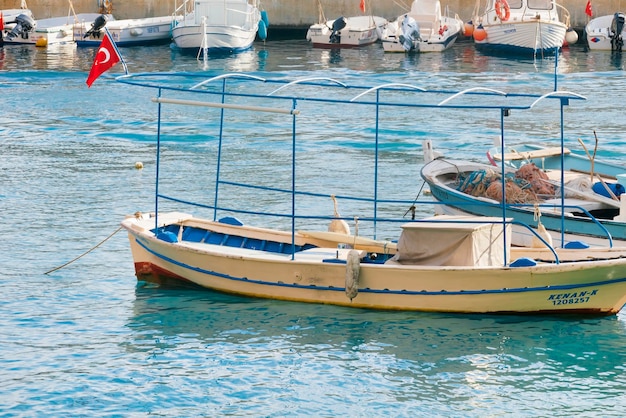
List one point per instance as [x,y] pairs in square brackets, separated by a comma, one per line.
[505,362]
[211,317]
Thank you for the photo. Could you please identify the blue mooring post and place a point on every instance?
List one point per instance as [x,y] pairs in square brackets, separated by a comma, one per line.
[376,162]
[293,178]
[158,160]
[503,112]
[563,102]
[219,152]
[556,65]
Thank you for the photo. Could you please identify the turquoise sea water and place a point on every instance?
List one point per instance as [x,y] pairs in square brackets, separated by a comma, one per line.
[85,340]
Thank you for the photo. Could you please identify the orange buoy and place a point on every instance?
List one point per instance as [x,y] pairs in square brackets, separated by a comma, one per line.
[480,34]
[468,30]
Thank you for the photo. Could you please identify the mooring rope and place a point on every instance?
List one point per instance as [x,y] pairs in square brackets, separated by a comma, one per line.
[85,253]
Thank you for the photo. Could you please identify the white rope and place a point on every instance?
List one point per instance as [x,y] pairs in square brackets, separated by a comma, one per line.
[85,253]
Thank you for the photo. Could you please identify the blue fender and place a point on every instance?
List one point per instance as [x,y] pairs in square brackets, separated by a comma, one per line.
[265,19]
[262,31]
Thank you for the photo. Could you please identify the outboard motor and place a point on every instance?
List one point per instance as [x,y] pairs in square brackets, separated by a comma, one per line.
[338,24]
[23,25]
[410,33]
[617,25]
[96,27]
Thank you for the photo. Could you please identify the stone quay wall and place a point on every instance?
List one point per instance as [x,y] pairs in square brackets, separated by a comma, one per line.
[294,15]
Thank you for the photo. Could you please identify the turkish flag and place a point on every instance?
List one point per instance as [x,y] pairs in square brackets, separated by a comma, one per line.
[106,57]
[362,6]
[588,10]
[1,22]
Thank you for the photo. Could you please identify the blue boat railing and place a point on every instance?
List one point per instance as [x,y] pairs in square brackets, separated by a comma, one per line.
[228,93]
[602,230]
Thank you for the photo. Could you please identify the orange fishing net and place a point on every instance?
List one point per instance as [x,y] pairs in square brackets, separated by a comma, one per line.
[538,180]
[514,193]
[525,186]
[477,182]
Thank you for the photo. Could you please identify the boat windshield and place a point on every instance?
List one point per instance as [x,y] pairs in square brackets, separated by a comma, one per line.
[539,4]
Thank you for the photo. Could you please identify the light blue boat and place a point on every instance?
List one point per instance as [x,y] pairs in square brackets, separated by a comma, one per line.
[549,158]
[590,213]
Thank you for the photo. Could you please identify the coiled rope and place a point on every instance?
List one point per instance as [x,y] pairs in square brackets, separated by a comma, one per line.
[85,253]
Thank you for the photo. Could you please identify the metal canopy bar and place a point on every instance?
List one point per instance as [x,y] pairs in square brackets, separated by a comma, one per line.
[226,106]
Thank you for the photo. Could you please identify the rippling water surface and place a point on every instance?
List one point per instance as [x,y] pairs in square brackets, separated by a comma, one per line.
[85,340]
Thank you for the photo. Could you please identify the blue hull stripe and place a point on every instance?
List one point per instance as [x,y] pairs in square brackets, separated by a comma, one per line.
[384,291]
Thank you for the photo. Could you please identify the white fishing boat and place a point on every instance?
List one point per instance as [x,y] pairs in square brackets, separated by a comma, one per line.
[346,32]
[460,264]
[422,29]
[218,26]
[606,33]
[126,32]
[521,27]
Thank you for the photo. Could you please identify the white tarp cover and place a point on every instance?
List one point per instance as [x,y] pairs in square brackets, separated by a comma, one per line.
[480,243]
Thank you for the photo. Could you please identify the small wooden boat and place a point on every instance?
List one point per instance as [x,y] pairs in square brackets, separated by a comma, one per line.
[607,32]
[522,27]
[587,214]
[422,29]
[450,264]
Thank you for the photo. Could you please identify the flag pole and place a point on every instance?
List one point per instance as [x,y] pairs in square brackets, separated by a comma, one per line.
[117,50]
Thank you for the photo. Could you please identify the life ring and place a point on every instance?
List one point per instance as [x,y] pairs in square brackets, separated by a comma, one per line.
[503,10]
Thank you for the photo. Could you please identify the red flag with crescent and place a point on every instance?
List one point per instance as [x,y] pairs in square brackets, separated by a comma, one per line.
[588,9]
[362,6]
[106,57]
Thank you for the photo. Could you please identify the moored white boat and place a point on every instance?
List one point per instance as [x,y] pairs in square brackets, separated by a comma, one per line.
[43,32]
[445,265]
[126,32]
[346,32]
[218,26]
[522,27]
[607,32]
[422,29]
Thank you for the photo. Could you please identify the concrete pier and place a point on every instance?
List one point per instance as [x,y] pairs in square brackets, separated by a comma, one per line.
[293,16]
